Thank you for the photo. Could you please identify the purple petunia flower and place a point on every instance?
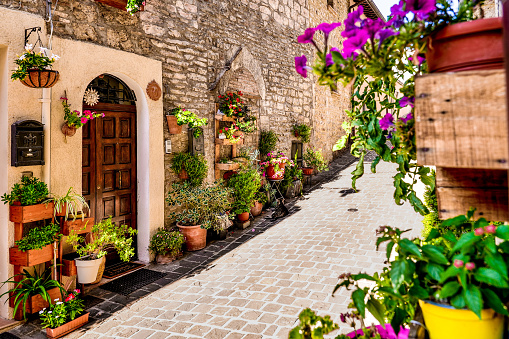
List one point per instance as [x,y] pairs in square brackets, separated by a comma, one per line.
[326,28]
[353,22]
[384,34]
[328,57]
[386,122]
[386,331]
[420,59]
[406,119]
[301,66]
[398,9]
[372,27]
[355,43]
[307,37]
[405,101]
[421,8]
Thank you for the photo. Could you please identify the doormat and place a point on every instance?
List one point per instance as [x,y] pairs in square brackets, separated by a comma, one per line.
[133,281]
[120,268]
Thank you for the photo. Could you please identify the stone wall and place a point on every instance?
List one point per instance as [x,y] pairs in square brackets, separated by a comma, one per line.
[195,38]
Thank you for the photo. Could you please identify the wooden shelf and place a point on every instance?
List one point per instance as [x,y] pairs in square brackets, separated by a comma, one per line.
[78,226]
[226,142]
[30,257]
[225,118]
[227,167]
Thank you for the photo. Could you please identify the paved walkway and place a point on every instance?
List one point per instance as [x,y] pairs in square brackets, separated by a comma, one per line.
[258,289]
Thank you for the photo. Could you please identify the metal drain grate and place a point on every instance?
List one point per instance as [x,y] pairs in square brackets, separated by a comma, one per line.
[352,210]
[133,281]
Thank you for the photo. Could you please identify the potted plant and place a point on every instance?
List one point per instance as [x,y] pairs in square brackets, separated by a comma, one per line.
[232,105]
[64,317]
[134,6]
[247,124]
[179,116]
[268,142]
[314,160]
[32,292]
[292,180]
[189,166]
[231,133]
[34,68]
[26,201]
[260,199]
[36,247]
[73,120]
[244,184]
[302,131]
[275,165]
[166,245]
[222,225]
[92,252]
[199,208]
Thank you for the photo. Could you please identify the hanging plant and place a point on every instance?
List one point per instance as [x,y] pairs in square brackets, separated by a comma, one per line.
[75,119]
[34,68]
[134,6]
[303,132]
[186,117]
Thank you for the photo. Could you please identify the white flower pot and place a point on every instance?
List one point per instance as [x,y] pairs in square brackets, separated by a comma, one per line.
[87,269]
[222,136]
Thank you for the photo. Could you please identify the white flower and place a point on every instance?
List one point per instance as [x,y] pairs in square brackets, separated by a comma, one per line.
[58,299]
[40,312]
[59,303]
[49,312]
[56,317]
[22,57]
[28,47]
[55,57]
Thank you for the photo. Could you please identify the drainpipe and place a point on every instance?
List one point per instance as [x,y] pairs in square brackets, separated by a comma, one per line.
[46,120]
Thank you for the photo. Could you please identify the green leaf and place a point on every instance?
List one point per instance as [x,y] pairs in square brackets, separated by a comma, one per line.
[473,299]
[428,180]
[435,271]
[389,291]
[451,271]
[465,241]
[458,301]
[410,247]
[456,221]
[398,272]
[341,143]
[362,276]
[359,170]
[434,254]
[494,302]
[388,250]
[503,232]
[418,292]
[449,289]
[491,277]
[399,317]
[358,300]
[377,309]
[374,164]
[432,234]
[418,205]
[496,262]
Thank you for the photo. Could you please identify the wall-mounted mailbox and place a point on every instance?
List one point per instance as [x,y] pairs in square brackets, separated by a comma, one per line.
[27,143]
[196,145]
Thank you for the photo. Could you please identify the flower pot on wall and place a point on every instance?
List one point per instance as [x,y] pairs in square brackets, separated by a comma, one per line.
[173,125]
[183,175]
[68,327]
[88,270]
[68,131]
[445,322]
[256,210]
[196,237]
[472,45]
[30,257]
[23,214]
[37,78]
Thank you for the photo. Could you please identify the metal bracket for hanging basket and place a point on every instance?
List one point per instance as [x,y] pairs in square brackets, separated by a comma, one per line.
[226,67]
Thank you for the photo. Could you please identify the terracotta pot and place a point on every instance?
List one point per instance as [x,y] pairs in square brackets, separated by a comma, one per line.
[243,216]
[37,78]
[271,173]
[307,170]
[196,237]
[68,131]
[228,175]
[183,175]
[172,124]
[165,258]
[467,46]
[67,327]
[256,210]
[296,134]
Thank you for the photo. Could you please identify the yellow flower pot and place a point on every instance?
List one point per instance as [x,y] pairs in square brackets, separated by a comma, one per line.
[448,323]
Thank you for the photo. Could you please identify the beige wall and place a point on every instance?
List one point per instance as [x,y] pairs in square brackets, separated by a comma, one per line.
[80,63]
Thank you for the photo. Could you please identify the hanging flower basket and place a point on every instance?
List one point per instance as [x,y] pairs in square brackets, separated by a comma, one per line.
[38,78]
[68,131]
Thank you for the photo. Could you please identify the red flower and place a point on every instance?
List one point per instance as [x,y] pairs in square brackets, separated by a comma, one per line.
[238,99]
[479,231]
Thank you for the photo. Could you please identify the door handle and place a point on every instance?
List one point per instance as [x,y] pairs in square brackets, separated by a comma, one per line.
[120,179]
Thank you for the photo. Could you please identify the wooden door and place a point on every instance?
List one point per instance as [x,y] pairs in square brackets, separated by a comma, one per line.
[109,163]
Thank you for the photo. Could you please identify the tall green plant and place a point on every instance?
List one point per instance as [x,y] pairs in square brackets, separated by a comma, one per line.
[195,166]
[31,191]
[31,285]
[302,131]
[314,158]
[268,142]
[244,184]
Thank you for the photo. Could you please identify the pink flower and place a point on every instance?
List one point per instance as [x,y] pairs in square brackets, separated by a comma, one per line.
[490,229]
[226,128]
[479,231]
[470,266]
[458,263]
[77,290]
[84,120]
[103,115]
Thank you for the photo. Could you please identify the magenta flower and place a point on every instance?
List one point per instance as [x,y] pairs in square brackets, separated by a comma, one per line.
[386,122]
[421,8]
[384,34]
[470,266]
[307,37]
[301,66]
[328,57]
[458,263]
[353,22]
[491,229]
[326,28]
[405,101]
[103,115]
[354,44]
[386,331]
[479,231]
[84,120]
[398,9]
[406,119]
[420,59]
[372,27]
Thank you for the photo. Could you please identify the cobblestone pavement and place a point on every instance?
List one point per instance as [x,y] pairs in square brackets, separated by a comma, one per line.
[258,289]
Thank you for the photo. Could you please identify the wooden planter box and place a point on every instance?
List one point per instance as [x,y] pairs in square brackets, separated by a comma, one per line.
[225,118]
[228,167]
[461,128]
[67,327]
[30,257]
[226,142]
[69,265]
[120,4]
[24,214]
[36,303]
[78,226]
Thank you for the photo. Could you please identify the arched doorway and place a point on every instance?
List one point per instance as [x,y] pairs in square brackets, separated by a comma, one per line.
[109,178]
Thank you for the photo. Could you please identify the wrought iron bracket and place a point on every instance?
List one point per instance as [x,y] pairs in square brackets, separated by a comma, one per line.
[29,32]
[226,68]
